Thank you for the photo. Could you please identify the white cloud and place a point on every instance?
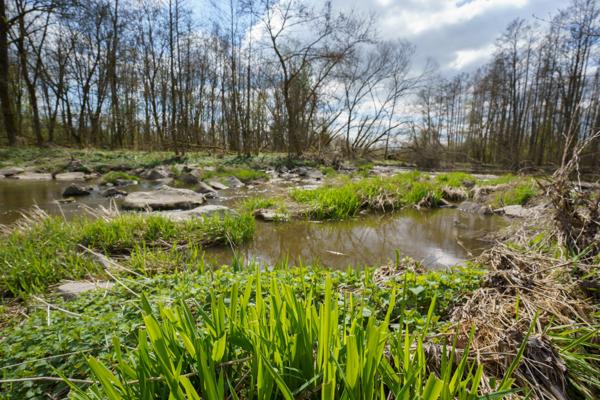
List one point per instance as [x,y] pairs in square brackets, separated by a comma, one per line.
[430,15]
[466,57]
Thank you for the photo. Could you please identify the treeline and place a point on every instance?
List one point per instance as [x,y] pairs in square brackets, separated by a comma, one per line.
[263,75]
[541,87]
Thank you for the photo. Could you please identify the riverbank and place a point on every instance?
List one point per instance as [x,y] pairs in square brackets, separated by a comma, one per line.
[125,305]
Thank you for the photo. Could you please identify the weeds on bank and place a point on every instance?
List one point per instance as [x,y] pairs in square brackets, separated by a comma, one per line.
[347,197]
[48,251]
[113,176]
[519,194]
[455,179]
[252,204]
[243,174]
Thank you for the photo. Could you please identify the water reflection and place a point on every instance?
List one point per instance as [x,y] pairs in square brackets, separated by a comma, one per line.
[436,237]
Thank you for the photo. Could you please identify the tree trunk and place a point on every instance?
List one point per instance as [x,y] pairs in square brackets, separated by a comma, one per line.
[5,99]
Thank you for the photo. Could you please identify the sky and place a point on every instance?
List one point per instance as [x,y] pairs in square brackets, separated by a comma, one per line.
[459,35]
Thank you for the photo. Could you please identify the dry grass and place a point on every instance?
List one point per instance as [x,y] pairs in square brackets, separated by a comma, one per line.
[526,290]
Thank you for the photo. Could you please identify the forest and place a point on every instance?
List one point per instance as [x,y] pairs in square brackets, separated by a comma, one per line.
[250,76]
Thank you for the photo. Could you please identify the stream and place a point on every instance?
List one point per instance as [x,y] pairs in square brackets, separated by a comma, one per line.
[437,238]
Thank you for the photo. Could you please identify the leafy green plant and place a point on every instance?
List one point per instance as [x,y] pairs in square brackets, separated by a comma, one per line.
[279,345]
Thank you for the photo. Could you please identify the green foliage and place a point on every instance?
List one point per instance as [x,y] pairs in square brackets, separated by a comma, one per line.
[113,176]
[455,179]
[328,171]
[502,179]
[243,174]
[278,344]
[67,339]
[345,198]
[48,251]
[519,194]
[252,204]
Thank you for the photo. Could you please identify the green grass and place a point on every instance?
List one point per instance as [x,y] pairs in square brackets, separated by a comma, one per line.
[243,174]
[501,180]
[277,344]
[68,340]
[113,176]
[519,194]
[252,204]
[49,250]
[455,179]
[345,198]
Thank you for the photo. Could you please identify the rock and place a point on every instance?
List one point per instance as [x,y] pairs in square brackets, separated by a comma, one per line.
[164,198]
[70,176]
[268,215]
[33,176]
[76,166]
[10,171]
[205,188]
[76,190]
[156,173]
[217,185]
[125,182]
[518,211]
[113,192]
[66,201]
[474,208]
[234,182]
[198,212]
[189,179]
[71,290]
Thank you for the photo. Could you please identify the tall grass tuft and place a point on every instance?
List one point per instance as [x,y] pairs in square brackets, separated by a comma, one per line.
[378,193]
[49,249]
[262,340]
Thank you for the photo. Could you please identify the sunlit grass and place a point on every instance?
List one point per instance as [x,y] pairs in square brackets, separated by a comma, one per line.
[49,250]
[345,198]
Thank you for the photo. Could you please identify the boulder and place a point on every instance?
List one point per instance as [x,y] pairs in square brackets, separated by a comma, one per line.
[205,188]
[71,290]
[188,179]
[156,173]
[113,192]
[518,211]
[77,190]
[269,215]
[474,208]
[77,166]
[70,176]
[234,182]
[217,185]
[198,212]
[125,182]
[164,198]
[10,171]
[33,176]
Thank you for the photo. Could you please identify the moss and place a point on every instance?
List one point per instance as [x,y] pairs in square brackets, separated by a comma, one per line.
[113,176]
